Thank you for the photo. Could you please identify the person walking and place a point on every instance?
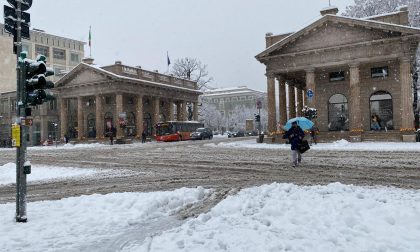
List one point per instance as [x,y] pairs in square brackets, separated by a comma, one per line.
[295,135]
[143,137]
[314,130]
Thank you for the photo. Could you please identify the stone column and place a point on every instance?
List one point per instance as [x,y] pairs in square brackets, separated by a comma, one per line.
[195,111]
[184,111]
[139,115]
[63,117]
[292,101]
[407,114]
[170,110]
[80,121]
[310,84]
[156,112]
[299,101]
[178,111]
[99,120]
[119,107]
[271,104]
[305,102]
[282,100]
[354,99]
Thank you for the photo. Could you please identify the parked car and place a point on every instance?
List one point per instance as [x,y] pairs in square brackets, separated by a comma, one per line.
[236,134]
[201,134]
[252,133]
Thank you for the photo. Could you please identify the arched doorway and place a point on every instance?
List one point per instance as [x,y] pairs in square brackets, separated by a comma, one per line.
[91,125]
[108,124]
[130,129]
[338,113]
[381,106]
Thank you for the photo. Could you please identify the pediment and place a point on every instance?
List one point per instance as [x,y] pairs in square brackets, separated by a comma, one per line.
[332,34]
[334,31]
[83,75]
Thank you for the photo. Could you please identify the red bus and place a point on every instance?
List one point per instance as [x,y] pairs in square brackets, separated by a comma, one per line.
[176,131]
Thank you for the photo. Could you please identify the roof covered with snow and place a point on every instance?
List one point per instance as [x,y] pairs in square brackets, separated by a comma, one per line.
[339,19]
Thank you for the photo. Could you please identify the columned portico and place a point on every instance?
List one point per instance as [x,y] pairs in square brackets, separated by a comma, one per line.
[99,117]
[80,121]
[156,112]
[271,103]
[170,110]
[354,99]
[356,71]
[282,100]
[299,101]
[310,85]
[292,101]
[407,114]
[184,111]
[63,117]
[139,115]
[195,111]
[178,111]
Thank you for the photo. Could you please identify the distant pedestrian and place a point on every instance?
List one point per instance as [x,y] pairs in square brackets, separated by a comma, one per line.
[295,135]
[66,138]
[143,137]
[375,122]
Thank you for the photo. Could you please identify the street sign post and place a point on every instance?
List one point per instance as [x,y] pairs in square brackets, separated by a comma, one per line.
[310,93]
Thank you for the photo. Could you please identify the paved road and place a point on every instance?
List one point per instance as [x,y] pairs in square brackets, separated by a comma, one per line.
[166,166]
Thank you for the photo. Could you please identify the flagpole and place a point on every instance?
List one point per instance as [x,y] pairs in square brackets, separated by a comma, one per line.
[90,41]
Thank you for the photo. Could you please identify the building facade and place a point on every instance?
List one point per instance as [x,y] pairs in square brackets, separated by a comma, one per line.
[63,54]
[93,101]
[235,105]
[355,69]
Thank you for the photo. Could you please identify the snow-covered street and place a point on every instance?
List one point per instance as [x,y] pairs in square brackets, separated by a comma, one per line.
[275,217]
[236,195]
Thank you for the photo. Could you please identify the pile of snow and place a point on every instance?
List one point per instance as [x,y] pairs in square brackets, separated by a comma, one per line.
[41,173]
[68,146]
[285,217]
[91,223]
[341,145]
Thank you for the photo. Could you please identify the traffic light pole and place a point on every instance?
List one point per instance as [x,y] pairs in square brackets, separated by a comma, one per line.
[20,112]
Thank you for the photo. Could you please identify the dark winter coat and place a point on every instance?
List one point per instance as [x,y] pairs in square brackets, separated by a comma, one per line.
[295,136]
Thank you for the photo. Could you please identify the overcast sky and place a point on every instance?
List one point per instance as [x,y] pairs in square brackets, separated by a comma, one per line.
[224,34]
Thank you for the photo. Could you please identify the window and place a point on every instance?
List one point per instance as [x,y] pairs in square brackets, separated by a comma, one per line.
[107,100]
[337,76]
[379,72]
[381,108]
[59,54]
[74,57]
[43,50]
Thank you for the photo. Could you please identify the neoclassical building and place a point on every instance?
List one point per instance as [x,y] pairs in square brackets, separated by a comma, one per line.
[92,100]
[355,68]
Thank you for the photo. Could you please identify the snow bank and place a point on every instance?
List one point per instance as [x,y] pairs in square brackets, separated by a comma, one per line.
[89,223]
[285,217]
[341,145]
[40,173]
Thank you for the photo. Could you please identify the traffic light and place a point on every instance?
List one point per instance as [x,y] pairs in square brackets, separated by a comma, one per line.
[257,118]
[36,83]
[11,20]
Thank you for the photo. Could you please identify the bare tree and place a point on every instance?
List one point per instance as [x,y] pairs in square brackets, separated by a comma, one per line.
[365,8]
[192,69]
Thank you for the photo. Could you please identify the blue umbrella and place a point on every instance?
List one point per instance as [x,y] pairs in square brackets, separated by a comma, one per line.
[304,123]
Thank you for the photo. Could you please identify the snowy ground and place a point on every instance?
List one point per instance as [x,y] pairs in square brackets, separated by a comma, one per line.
[341,145]
[275,217]
[42,173]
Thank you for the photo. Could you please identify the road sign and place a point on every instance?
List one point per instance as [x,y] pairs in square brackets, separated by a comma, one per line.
[310,93]
[25,4]
[259,104]
[16,135]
